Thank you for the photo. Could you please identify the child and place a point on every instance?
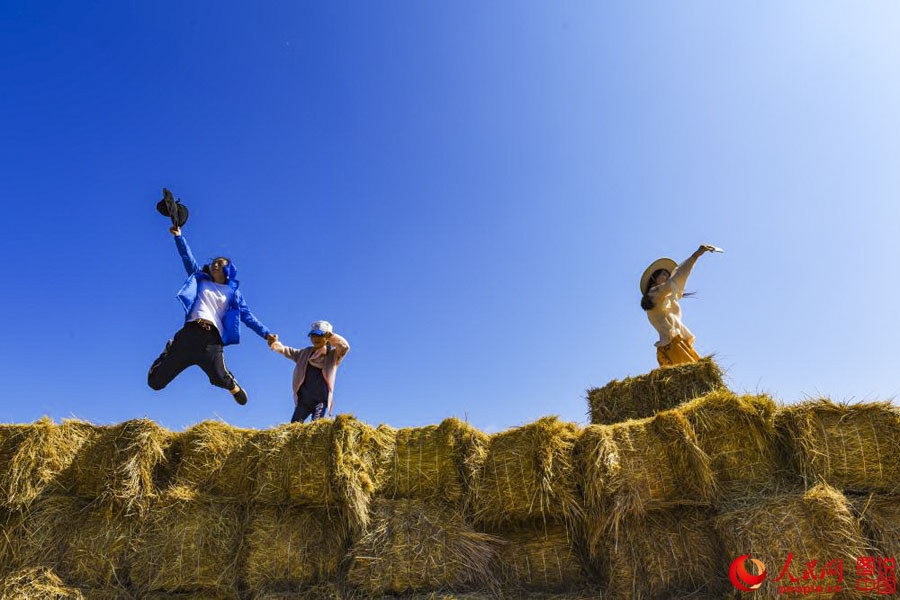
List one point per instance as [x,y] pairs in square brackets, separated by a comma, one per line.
[314,370]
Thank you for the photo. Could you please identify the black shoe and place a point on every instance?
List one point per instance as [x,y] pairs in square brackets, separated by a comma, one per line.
[240,396]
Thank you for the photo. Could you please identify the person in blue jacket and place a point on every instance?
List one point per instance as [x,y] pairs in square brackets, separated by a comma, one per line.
[213,307]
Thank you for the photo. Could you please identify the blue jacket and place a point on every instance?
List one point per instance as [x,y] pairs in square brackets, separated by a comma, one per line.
[237,306]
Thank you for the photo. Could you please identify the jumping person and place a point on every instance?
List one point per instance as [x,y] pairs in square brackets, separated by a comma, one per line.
[662,285]
[314,370]
[213,306]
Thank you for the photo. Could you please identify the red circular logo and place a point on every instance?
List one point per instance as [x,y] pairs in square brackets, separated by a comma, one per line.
[742,579]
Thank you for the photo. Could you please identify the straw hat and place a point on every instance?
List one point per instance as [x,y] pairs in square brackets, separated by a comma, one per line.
[663,263]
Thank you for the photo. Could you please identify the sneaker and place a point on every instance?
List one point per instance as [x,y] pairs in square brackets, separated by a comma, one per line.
[240,396]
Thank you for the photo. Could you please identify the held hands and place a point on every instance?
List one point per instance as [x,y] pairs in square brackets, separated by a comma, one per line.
[272,340]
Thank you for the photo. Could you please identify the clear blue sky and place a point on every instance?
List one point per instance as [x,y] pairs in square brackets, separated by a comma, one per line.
[469,191]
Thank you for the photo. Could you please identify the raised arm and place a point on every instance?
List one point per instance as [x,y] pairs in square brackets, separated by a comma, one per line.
[680,274]
[190,264]
[341,347]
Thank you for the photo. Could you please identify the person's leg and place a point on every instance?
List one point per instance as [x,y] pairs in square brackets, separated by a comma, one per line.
[301,411]
[173,360]
[318,411]
[213,364]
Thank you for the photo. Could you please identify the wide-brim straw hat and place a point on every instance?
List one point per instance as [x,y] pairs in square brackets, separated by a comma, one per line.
[662,263]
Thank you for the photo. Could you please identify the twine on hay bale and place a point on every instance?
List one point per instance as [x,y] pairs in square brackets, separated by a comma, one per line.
[118,464]
[37,583]
[414,545]
[880,518]
[854,447]
[188,542]
[218,459]
[673,553]
[815,525]
[738,435]
[540,556]
[293,547]
[528,473]
[645,395]
[631,468]
[437,462]
[33,457]
[331,463]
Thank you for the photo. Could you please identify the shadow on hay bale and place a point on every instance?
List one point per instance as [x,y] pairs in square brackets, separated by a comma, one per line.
[631,468]
[673,553]
[738,435]
[118,465]
[529,474]
[218,459]
[414,545]
[331,463]
[437,462]
[660,389]
[188,542]
[33,458]
[815,525]
[540,556]
[880,519]
[289,548]
[854,447]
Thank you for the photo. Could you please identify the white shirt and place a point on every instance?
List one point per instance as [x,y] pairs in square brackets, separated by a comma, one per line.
[211,303]
[665,316]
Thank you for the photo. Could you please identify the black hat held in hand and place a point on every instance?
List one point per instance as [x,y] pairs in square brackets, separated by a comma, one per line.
[174,209]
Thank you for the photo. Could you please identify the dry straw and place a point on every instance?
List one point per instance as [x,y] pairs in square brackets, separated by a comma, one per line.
[815,525]
[33,457]
[738,435]
[218,459]
[292,547]
[528,474]
[322,591]
[880,517]
[118,463]
[188,542]
[414,545]
[99,549]
[437,462]
[330,463]
[672,553]
[540,556]
[660,389]
[37,583]
[854,447]
[631,468]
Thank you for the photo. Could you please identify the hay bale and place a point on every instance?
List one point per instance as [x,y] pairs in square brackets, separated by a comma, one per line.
[98,549]
[41,534]
[218,459]
[672,553]
[9,521]
[330,463]
[118,463]
[815,525]
[645,395]
[540,556]
[880,517]
[203,595]
[33,457]
[414,545]
[853,447]
[631,468]
[528,473]
[188,542]
[437,462]
[322,591]
[36,583]
[738,435]
[293,547]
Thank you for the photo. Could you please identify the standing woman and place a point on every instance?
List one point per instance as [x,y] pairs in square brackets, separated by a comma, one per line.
[662,285]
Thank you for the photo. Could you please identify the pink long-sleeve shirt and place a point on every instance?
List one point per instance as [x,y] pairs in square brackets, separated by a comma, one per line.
[327,360]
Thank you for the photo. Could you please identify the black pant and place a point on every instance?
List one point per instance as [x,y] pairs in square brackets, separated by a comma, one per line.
[193,345]
[304,410]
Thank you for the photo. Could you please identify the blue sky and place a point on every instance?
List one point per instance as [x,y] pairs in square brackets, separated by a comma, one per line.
[469,191]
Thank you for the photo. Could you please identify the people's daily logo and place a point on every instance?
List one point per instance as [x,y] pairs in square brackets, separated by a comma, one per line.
[743,579]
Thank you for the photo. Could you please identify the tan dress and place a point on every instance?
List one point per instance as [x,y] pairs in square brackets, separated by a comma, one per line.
[676,342]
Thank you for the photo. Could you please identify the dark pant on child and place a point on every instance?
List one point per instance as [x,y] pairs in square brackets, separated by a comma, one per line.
[304,410]
[194,344]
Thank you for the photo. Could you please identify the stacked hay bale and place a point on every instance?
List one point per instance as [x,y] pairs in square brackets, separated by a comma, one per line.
[660,389]
[420,536]
[527,494]
[798,536]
